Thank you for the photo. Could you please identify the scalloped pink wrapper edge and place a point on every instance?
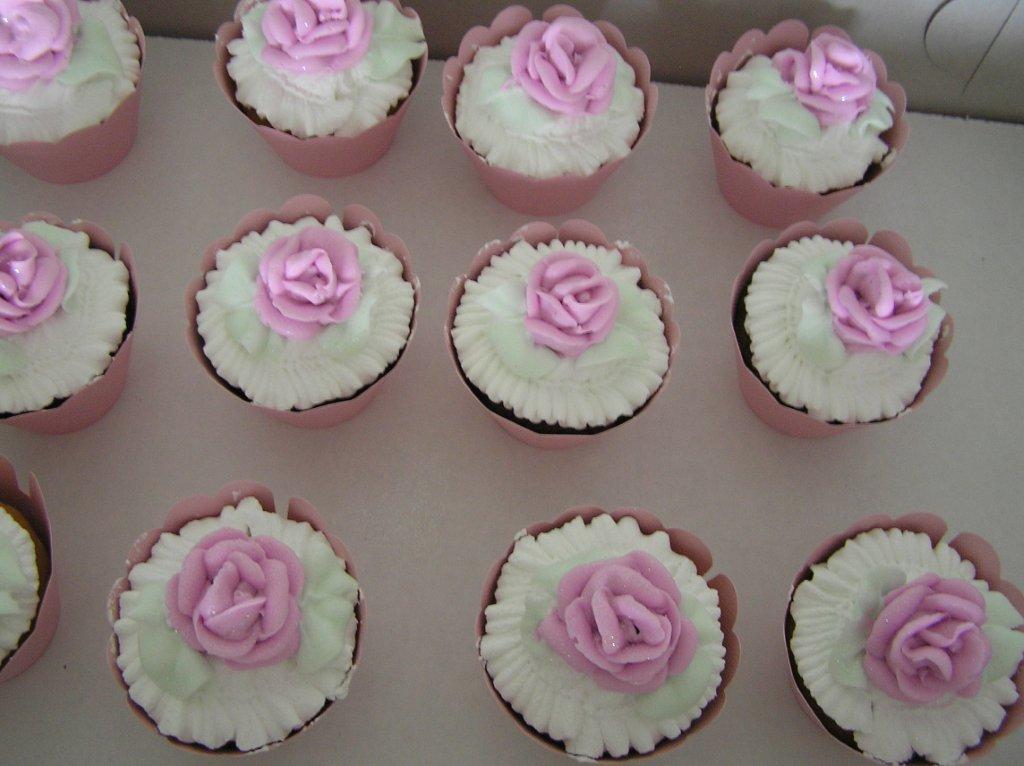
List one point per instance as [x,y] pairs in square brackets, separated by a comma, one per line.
[322,156]
[90,152]
[202,506]
[682,542]
[575,230]
[758,396]
[32,506]
[975,549]
[540,196]
[329,414]
[744,189]
[87,405]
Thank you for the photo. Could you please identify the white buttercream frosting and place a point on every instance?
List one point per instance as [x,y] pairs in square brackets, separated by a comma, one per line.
[763,124]
[510,130]
[70,349]
[831,611]
[342,103]
[612,379]
[567,705]
[104,70]
[795,351]
[19,583]
[197,698]
[274,371]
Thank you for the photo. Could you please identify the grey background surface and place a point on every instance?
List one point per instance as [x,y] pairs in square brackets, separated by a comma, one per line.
[953,56]
[426,491]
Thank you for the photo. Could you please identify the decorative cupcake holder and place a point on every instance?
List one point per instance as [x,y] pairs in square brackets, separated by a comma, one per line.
[537,233]
[328,414]
[205,506]
[681,542]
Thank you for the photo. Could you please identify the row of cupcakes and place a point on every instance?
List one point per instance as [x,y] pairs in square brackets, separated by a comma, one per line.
[560,333]
[546,109]
[603,634]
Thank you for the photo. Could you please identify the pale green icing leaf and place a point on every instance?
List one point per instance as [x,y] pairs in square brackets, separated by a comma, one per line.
[848,670]
[396,40]
[930,285]
[878,117]
[327,604]
[1007,651]
[708,630]
[348,337]
[517,350]
[935,316]
[12,358]
[816,337]
[507,300]
[245,328]
[94,56]
[323,637]
[1000,611]
[237,284]
[70,259]
[791,116]
[170,663]
[621,345]
[681,692]
[8,605]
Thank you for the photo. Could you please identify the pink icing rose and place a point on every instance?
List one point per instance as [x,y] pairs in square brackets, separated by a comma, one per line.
[833,78]
[927,641]
[36,39]
[566,65]
[619,621]
[570,305]
[237,598]
[308,281]
[876,302]
[32,281]
[316,36]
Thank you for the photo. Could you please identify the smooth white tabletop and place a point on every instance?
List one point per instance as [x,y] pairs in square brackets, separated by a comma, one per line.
[426,491]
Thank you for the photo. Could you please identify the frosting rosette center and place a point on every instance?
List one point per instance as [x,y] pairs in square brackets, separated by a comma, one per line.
[32,281]
[237,598]
[316,36]
[570,304]
[928,641]
[876,302]
[36,40]
[566,65]
[620,621]
[833,78]
[308,281]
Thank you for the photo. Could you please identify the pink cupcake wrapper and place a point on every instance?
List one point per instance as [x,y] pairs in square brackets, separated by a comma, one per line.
[32,506]
[744,189]
[89,404]
[322,156]
[537,233]
[971,547]
[203,506]
[332,413]
[90,152]
[546,196]
[789,420]
[682,542]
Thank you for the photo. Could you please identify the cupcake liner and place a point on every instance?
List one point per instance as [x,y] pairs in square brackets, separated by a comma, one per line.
[537,233]
[88,404]
[33,508]
[322,156]
[332,413]
[789,420]
[682,542]
[971,547]
[744,189]
[90,152]
[202,506]
[540,196]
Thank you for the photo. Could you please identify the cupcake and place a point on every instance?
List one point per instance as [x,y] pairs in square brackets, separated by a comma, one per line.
[235,627]
[301,312]
[29,604]
[834,330]
[70,72]
[67,311]
[561,334]
[799,122]
[547,109]
[325,82]
[905,647]
[602,636]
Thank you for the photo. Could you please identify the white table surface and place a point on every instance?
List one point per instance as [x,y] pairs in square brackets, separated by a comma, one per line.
[426,491]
